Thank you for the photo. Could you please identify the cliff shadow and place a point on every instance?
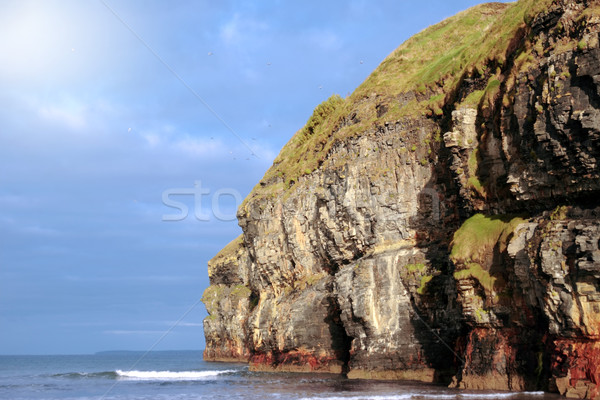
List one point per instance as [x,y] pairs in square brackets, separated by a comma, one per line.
[341,343]
[437,315]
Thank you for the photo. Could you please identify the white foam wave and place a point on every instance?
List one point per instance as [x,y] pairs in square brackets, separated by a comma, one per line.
[499,395]
[170,375]
[419,396]
[380,397]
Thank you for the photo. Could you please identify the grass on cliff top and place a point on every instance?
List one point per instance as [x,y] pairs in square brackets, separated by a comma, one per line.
[430,64]
[305,151]
[435,59]
[229,250]
[300,155]
[439,51]
[215,294]
[480,234]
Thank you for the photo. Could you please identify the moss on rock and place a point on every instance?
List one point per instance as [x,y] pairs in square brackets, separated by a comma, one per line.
[480,234]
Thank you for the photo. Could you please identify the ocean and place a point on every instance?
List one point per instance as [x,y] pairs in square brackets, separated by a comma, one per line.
[182,375]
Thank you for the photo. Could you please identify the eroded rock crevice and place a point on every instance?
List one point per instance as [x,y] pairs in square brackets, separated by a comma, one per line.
[341,342]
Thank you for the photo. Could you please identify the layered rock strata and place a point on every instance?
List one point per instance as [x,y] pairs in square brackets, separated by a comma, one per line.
[441,224]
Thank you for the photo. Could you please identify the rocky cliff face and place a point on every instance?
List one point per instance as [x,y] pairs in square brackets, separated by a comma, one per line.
[441,224]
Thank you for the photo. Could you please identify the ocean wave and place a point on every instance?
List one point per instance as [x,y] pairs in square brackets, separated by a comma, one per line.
[421,395]
[500,395]
[366,397]
[170,375]
[84,375]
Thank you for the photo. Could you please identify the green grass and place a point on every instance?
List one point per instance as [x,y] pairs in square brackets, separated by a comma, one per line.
[492,88]
[432,63]
[473,162]
[305,282]
[559,213]
[487,96]
[476,184]
[424,281]
[214,294]
[304,152]
[229,250]
[591,10]
[493,84]
[475,271]
[473,99]
[240,292]
[480,313]
[474,181]
[480,234]
[413,268]
[427,61]
[539,369]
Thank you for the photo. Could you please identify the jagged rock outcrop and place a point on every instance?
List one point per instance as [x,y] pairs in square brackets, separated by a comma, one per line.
[441,224]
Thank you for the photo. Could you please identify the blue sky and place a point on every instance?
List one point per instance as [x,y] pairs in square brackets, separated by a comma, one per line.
[94,128]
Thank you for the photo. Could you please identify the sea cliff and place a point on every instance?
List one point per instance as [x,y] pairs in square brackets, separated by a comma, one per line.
[440,224]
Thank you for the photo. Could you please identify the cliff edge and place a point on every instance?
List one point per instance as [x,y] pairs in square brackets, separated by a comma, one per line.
[440,224]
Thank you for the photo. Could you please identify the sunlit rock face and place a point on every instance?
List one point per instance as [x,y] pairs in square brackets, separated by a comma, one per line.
[442,226]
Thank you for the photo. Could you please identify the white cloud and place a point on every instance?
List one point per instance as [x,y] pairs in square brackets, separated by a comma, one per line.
[240,29]
[190,324]
[172,141]
[71,117]
[152,139]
